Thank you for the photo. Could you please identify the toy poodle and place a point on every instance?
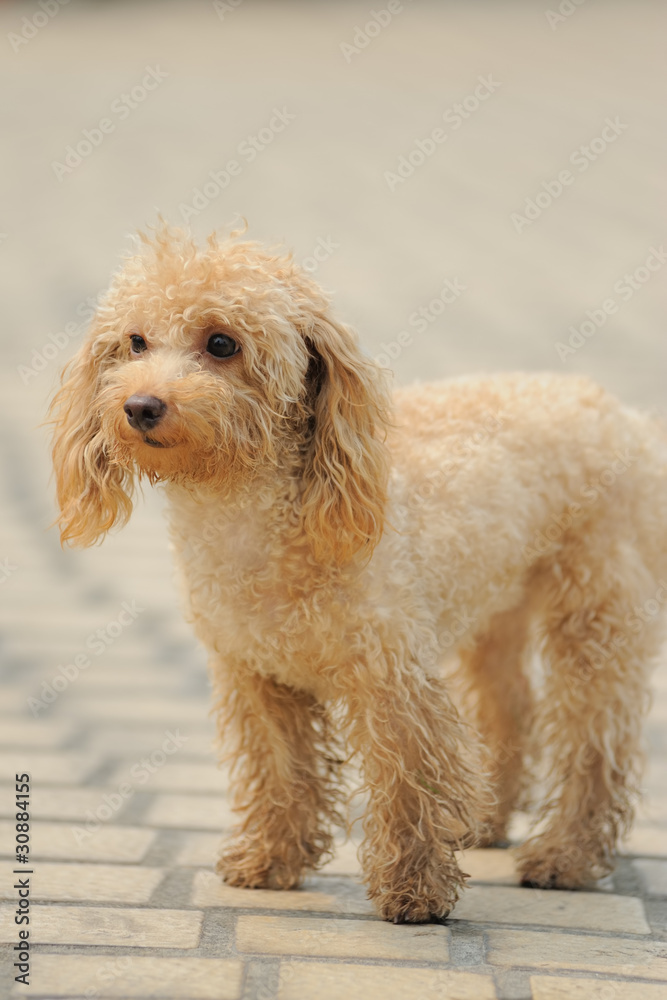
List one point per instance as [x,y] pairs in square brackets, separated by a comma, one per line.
[339,543]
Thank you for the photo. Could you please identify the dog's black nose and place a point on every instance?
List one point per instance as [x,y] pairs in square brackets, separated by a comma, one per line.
[144,412]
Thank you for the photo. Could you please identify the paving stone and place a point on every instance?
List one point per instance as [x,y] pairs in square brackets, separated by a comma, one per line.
[97,925]
[58,618]
[519,827]
[33,733]
[115,676]
[656,805]
[136,976]
[49,649]
[85,883]
[132,740]
[56,643]
[188,812]
[319,895]
[181,776]
[177,711]
[59,803]
[64,842]
[646,839]
[489,865]
[552,988]
[199,850]
[342,938]
[577,952]
[326,981]
[14,701]
[652,807]
[548,908]
[51,768]
[653,874]
[345,860]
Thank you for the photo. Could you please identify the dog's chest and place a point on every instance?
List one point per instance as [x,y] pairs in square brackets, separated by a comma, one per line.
[253,595]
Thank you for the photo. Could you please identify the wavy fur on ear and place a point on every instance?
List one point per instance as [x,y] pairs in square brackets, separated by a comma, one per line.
[93,492]
[347,463]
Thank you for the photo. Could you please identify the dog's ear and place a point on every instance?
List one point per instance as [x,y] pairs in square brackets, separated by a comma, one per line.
[93,492]
[345,478]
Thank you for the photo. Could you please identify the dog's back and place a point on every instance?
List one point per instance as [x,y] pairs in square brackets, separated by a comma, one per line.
[496,474]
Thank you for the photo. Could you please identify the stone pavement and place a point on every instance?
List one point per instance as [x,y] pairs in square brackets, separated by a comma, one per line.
[128,807]
[103,692]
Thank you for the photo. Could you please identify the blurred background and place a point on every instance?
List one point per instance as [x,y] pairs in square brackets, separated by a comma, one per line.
[487,176]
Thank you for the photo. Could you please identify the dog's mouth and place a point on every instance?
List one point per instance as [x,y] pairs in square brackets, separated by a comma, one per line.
[155,444]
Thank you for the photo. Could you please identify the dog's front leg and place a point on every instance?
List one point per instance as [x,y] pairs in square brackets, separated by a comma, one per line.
[284,774]
[426,789]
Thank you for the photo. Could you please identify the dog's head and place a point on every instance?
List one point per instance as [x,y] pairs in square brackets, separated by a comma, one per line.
[207,367]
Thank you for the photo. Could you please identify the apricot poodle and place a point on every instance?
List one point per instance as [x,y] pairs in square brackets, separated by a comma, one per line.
[338,544]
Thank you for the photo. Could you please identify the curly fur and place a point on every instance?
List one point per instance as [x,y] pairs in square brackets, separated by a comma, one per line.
[338,544]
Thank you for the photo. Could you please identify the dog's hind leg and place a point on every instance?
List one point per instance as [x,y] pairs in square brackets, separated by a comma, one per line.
[597,654]
[285,780]
[500,700]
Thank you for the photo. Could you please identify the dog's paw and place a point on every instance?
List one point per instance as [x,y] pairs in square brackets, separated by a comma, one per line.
[543,878]
[418,897]
[559,867]
[412,904]
[245,868]
[400,910]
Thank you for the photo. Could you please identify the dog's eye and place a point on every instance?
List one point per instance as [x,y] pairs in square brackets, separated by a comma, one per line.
[137,344]
[221,346]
